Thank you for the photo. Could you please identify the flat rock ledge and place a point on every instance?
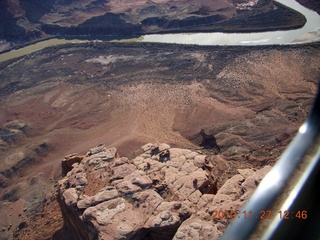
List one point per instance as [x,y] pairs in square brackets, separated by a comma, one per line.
[164,193]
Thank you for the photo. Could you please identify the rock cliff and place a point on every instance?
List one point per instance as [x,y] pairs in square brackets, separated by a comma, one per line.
[311,4]
[23,21]
[163,193]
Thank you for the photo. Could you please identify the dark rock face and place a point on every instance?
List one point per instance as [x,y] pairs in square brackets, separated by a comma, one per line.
[37,8]
[311,4]
[209,141]
[9,29]
[23,20]
[194,21]
[68,161]
[108,24]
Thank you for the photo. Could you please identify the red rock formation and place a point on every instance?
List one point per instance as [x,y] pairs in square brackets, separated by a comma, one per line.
[163,193]
[68,161]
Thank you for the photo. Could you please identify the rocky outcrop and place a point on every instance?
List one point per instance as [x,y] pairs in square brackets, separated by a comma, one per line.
[164,193]
[68,161]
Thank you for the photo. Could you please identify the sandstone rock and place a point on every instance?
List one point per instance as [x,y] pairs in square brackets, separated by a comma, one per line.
[79,179]
[205,202]
[192,155]
[252,181]
[150,196]
[151,166]
[171,174]
[143,181]
[177,162]
[147,147]
[163,219]
[97,149]
[232,187]
[104,212]
[176,152]
[163,147]
[147,200]
[123,229]
[105,194]
[197,229]
[70,196]
[245,172]
[84,201]
[101,153]
[199,161]
[192,183]
[120,171]
[120,161]
[126,187]
[68,161]
[134,182]
[189,166]
[195,197]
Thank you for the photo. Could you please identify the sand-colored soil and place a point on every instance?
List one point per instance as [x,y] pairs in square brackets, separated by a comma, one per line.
[70,98]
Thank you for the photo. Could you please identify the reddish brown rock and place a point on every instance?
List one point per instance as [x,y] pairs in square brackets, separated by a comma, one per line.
[68,161]
[146,196]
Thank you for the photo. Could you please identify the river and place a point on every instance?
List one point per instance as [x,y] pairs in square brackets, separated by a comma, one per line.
[310,32]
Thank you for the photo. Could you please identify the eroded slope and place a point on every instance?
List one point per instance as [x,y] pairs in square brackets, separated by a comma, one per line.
[63,99]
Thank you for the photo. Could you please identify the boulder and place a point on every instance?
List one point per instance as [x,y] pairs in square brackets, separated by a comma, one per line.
[70,196]
[196,228]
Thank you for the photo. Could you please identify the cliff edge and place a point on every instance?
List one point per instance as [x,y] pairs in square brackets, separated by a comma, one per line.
[164,193]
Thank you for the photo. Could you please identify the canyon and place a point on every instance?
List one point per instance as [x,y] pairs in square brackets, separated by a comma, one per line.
[25,21]
[239,106]
[143,140]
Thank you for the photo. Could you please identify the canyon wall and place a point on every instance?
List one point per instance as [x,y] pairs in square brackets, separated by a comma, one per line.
[23,21]
[311,4]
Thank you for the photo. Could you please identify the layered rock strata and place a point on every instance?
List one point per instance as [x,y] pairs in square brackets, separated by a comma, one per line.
[164,193]
[22,21]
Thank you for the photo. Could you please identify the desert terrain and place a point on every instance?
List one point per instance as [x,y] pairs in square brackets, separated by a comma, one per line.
[28,21]
[237,106]
[66,99]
